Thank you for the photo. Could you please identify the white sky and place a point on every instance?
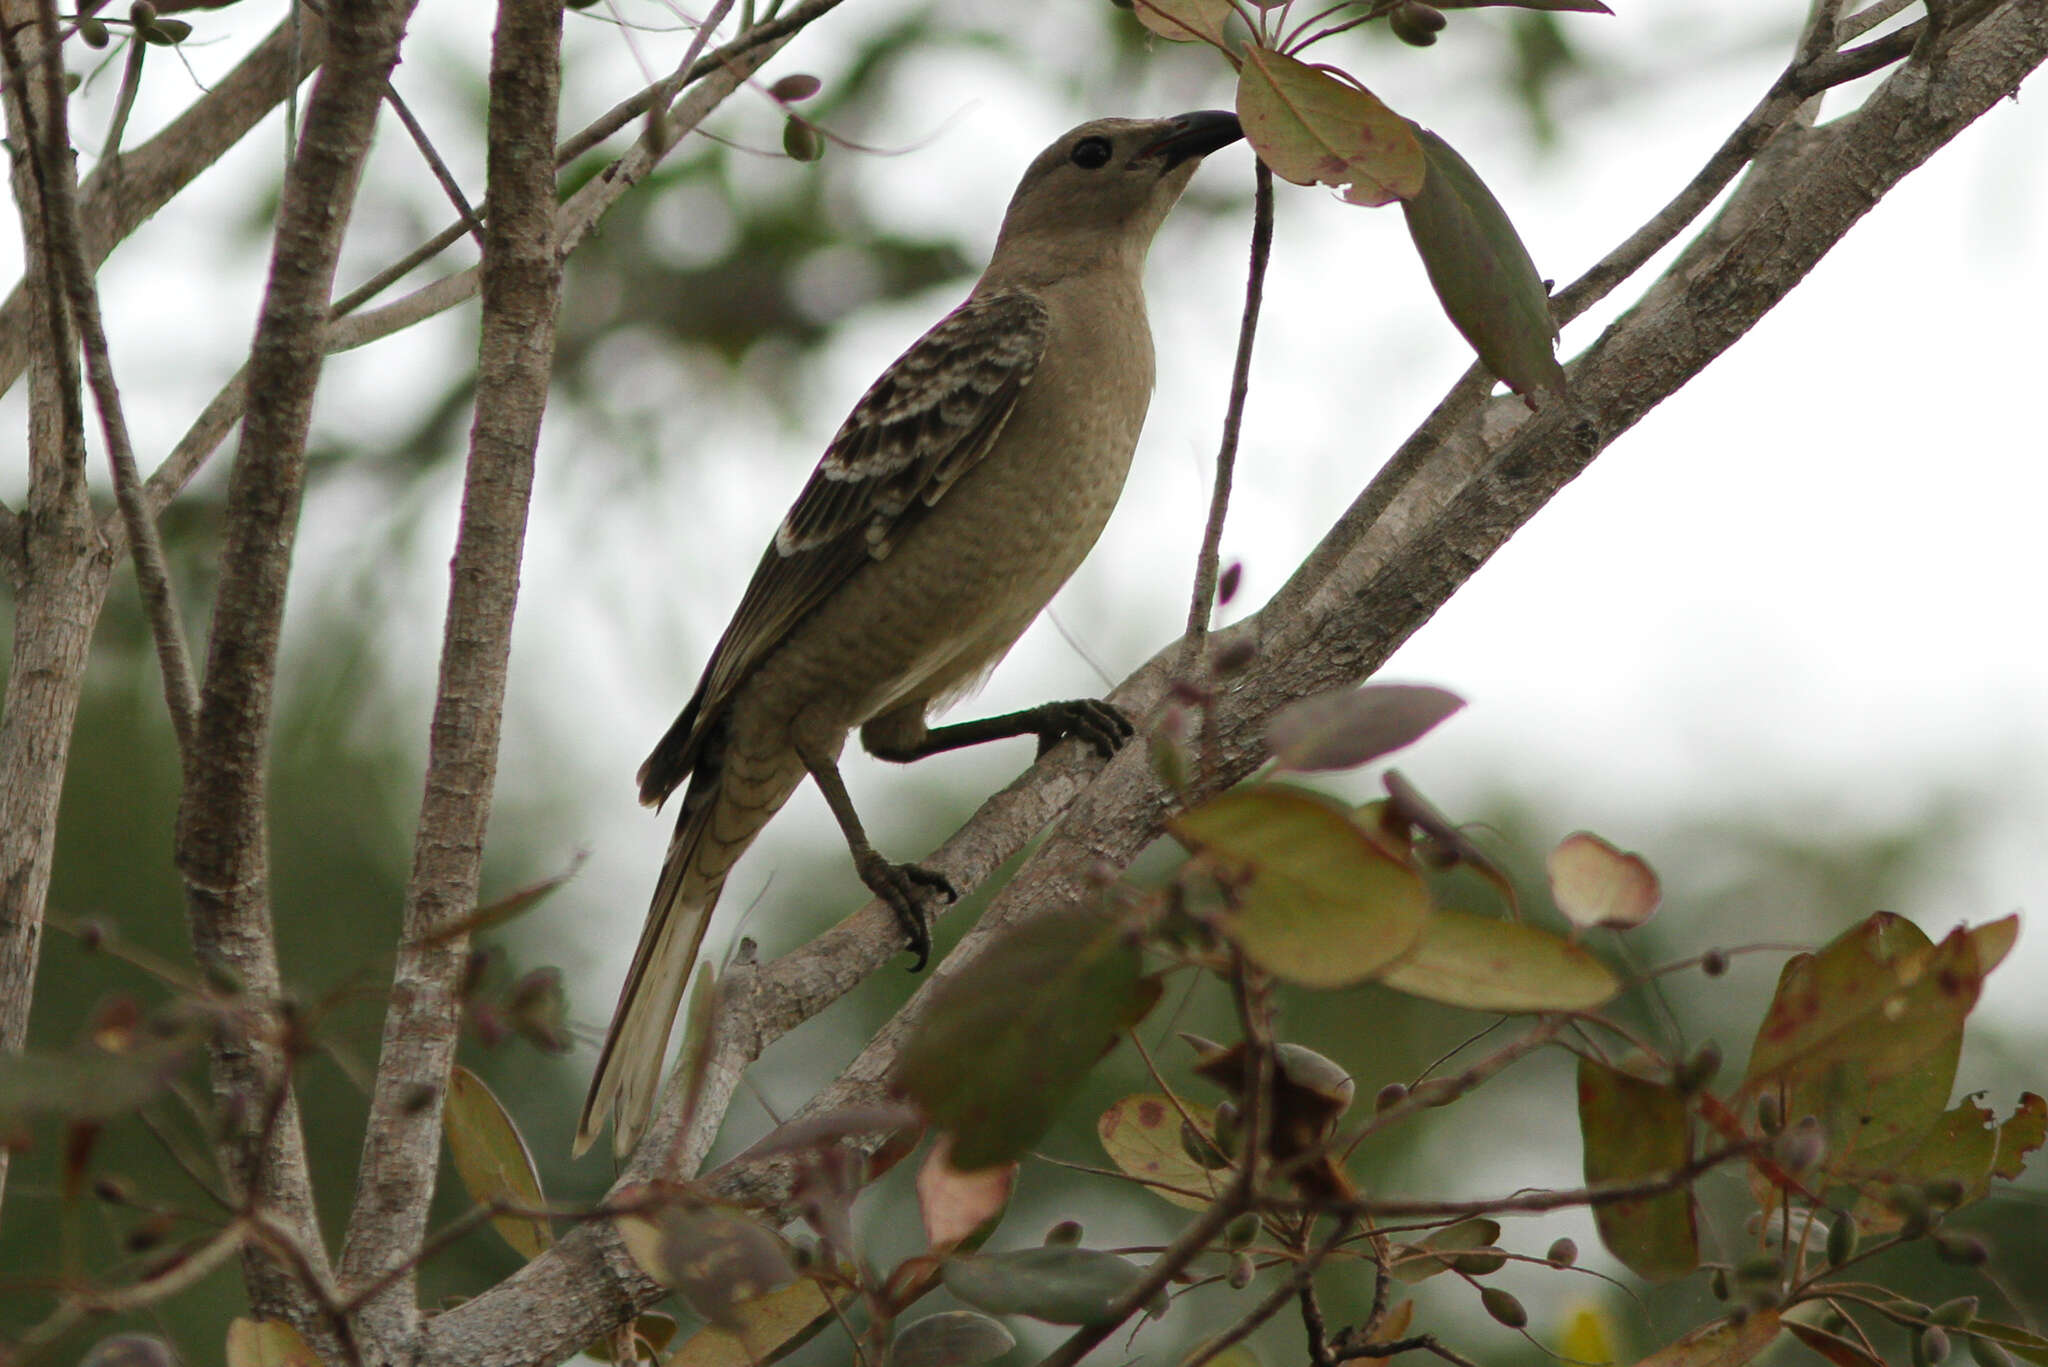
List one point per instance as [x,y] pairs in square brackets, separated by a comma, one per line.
[1810,583]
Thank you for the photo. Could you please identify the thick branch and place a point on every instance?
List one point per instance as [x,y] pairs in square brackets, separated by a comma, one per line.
[521,289]
[1477,483]
[222,845]
[58,567]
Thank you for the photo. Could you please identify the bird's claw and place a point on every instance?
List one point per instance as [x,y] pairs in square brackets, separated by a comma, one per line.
[1101,724]
[903,887]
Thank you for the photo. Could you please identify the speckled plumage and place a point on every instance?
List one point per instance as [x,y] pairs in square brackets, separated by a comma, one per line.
[965,487]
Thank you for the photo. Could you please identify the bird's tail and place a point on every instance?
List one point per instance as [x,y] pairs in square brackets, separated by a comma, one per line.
[720,818]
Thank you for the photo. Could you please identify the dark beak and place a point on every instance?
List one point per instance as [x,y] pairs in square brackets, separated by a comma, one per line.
[1196,135]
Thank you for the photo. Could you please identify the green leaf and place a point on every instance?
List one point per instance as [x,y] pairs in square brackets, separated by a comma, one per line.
[1184,21]
[2025,1342]
[1003,1042]
[1634,1130]
[1865,1033]
[1481,272]
[1347,727]
[951,1338]
[1142,1136]
[267,1343]
[493,1162]
[1416,1264]
[1057,1285]
[1727,1344]
[1322,904]
[1313,127]
[1486,964]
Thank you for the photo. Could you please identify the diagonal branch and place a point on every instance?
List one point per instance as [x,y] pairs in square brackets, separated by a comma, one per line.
[521,290]
[222,847]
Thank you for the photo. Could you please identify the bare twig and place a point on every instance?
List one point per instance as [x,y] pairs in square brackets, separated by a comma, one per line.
[445,178]
[63,241]
[521,288]
[1299,1284]
[1203,599]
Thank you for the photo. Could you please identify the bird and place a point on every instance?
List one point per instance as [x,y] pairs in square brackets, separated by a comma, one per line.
[968,483]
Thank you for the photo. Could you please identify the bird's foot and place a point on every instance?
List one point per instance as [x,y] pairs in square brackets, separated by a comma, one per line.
[1102,725]
[903,887]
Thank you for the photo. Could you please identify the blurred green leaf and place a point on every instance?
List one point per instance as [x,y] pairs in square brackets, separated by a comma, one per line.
[951,1338]
[1184,21]
[717,1258]
[1058,1285]
[1005,1041]
[1483,963]
[1415,1263]
[267,1343]
[1727,1344]
[769,1328]
[1481,272]
[1636,1130]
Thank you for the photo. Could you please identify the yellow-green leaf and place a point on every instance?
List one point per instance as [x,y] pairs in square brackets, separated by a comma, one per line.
[493,1162]
[1312,127]
[1318,902]
[1487,964]
[1142,1135]
[267,1343]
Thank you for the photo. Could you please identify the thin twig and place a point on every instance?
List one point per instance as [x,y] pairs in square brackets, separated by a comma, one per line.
[124,103]
[1274,1301]
[465,216]
[1204,595]
[63,241]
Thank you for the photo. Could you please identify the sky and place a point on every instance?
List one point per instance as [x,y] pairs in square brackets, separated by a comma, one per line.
[1809,585]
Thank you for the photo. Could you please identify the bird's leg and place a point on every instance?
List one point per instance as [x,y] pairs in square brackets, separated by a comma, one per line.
[1101,724]
[900,885]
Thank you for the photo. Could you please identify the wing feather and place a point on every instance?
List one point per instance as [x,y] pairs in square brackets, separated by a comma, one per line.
[917,430]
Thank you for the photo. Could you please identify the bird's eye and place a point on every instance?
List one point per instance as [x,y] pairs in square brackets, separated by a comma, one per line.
[1090,153]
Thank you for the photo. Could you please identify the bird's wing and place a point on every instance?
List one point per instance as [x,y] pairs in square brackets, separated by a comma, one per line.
[922,425]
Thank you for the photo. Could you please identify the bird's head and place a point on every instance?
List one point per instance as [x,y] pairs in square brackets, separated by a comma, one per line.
[1106,186]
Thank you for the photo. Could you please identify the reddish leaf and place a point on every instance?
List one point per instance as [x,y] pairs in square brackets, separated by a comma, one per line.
[1730,1343]
[1348,727]
[1594,884]
[957,1205]
[1840,1351]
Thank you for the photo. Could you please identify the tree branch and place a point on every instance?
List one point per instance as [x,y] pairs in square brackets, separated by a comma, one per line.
[122,193]
[521,290]
[222,846]
[62,239]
